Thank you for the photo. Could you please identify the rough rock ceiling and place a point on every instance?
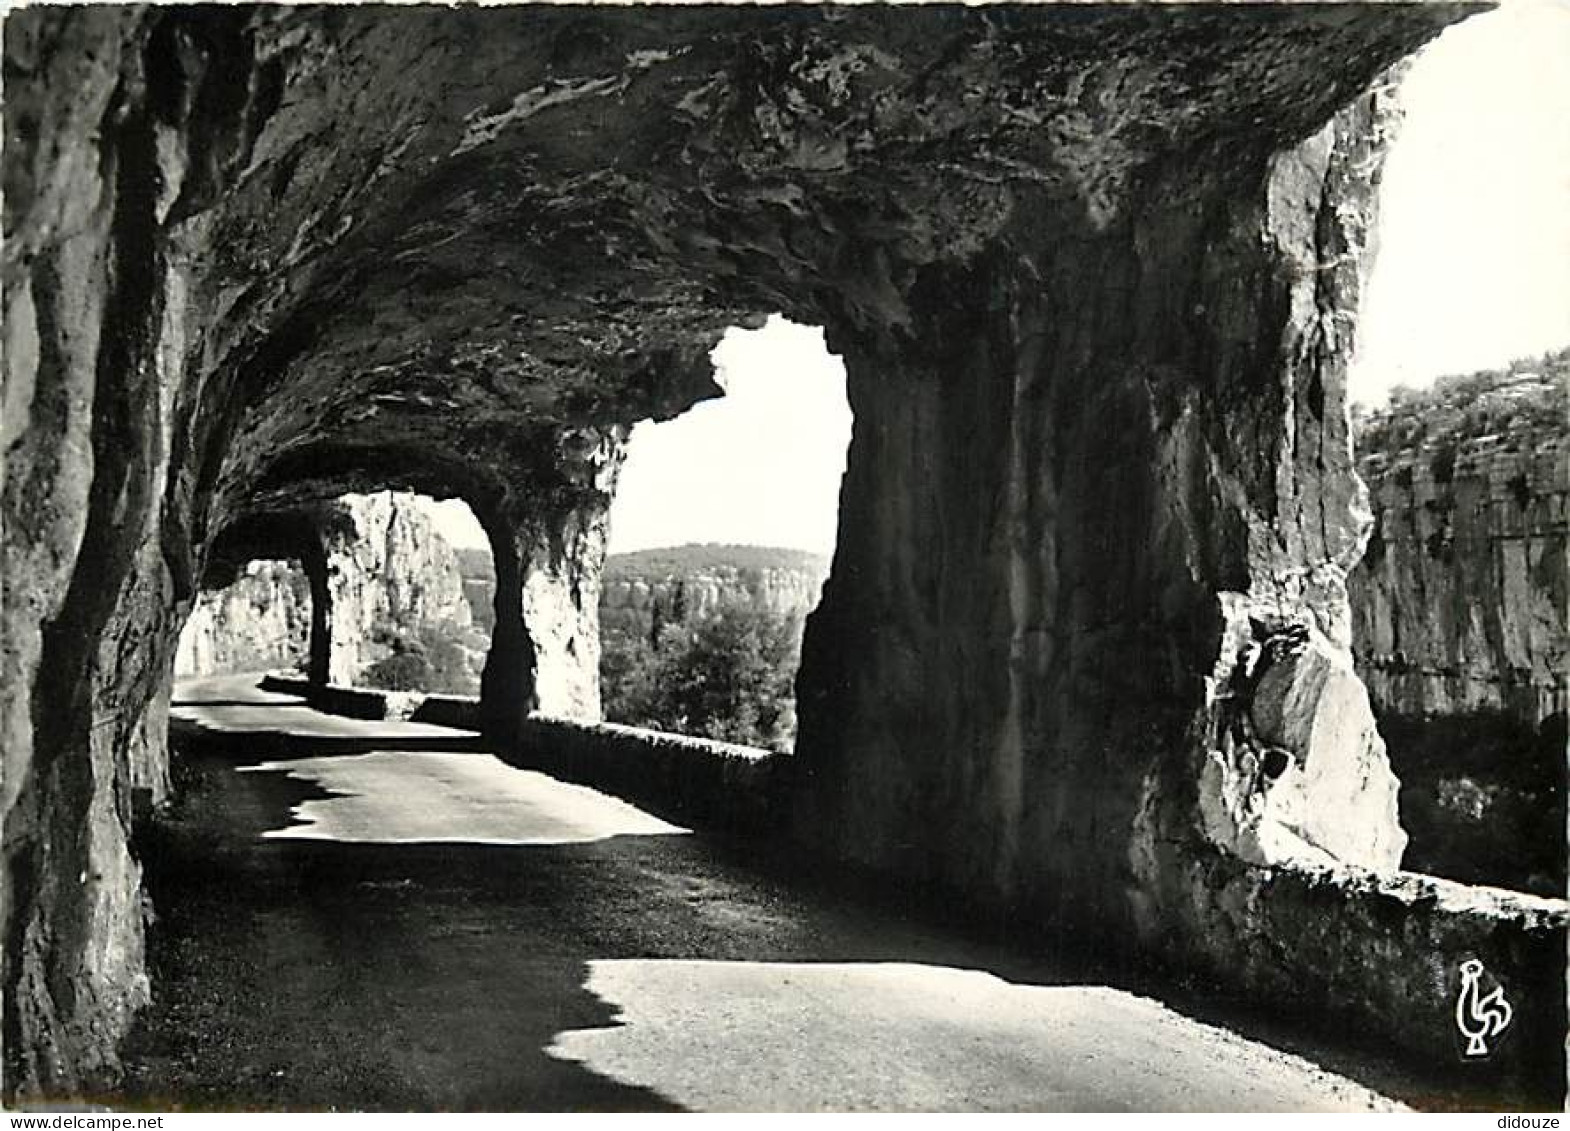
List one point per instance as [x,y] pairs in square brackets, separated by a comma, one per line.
[430,233]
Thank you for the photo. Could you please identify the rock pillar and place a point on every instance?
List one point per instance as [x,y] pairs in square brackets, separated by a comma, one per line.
[87,595]
[341,629]
[313,559]
[548,544]
[1096,521]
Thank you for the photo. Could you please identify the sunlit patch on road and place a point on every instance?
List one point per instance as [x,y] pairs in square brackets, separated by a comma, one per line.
[426,796]
[772,1036]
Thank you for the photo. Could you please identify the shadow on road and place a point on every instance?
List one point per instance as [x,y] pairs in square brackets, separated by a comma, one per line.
[323,975]
[191,739]
[205,703]
[319,974]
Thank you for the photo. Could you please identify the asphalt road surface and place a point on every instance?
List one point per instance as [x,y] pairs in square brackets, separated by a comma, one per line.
[371,915]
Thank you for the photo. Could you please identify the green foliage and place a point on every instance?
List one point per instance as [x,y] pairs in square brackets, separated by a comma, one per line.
[628,674]
[1515,403]
[728,676]
[1483,796]
[401,671]
[438,658]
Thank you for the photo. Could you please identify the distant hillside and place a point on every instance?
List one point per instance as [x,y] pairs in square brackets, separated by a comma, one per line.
[475,563]
[688,583]
[710,557]
[1515,403]
[678,581]
[670,561]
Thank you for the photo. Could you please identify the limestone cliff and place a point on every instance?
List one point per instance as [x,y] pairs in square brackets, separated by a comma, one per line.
[678,583]
[1461,617]
[390,577]
[261,620]
[1462,600]
[690,582]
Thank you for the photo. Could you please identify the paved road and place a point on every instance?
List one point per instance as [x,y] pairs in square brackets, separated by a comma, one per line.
[377,915]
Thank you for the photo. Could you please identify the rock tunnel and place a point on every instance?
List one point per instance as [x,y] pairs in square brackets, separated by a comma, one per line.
[1094,272]
[365,564]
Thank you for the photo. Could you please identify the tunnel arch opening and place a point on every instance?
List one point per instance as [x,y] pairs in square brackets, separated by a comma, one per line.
[249,616]
[1458,387]
[359,590]
[721,538]
[411,608]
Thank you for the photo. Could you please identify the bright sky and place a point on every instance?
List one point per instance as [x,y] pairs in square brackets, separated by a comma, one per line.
[759,466]
[1473,269]
[456,522]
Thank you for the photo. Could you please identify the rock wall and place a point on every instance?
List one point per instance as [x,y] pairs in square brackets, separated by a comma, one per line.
[390,575]
[1461,618]
[1105,664]
[639,589]
[260,621]
[85,434]
[1462,601]
[1127,615]
[1093,272]
[545,642]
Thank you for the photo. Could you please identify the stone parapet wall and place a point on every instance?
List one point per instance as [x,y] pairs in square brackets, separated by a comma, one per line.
[717,785]
[1380,956]
[696,780]
[372,703]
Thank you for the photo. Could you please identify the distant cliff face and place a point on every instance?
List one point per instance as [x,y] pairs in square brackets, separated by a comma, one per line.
[690,582]
[1459,619]
[262,620]
[390,578]
[678,583]
[1459,604]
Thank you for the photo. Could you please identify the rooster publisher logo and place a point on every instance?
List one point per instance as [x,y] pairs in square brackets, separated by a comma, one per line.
[1480,1015]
